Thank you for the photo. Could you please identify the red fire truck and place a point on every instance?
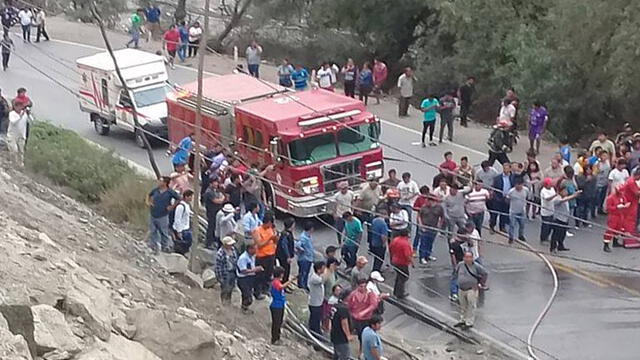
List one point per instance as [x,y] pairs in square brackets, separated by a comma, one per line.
[316,138]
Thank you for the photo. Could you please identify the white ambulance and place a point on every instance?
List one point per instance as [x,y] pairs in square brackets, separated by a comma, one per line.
[103,97]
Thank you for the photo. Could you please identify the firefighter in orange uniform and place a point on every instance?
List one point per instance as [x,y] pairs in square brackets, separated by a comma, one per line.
[616,205]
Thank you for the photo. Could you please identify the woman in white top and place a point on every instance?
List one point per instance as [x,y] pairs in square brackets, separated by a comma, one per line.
[195,34]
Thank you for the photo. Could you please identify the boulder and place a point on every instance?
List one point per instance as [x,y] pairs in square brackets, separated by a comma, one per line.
[188,313]
[51,331]
[173,336]
[89,299]
[209,278]
[20,322]
[13,347]
[191,279]
[117,348]
[45,239]
[173,263]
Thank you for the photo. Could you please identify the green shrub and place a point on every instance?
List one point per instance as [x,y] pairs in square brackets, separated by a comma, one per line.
[125,203]
[68,160]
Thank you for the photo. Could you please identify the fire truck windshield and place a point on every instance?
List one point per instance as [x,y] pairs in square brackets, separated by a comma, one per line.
[313,149]
[358,138]
[151,96]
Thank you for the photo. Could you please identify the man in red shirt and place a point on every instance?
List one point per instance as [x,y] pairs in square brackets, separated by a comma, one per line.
[379,77]
[401,258]
[171,42]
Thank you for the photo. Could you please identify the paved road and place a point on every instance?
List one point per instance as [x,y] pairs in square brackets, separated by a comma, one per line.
[592,318]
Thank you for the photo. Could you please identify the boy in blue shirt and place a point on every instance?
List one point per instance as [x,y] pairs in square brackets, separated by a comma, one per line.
[278,303]
[300,78]
[565,150]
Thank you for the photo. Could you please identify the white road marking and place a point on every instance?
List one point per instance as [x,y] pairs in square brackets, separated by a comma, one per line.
[413,131]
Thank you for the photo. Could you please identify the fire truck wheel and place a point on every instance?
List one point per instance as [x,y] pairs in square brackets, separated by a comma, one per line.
[139,139]
[100,125]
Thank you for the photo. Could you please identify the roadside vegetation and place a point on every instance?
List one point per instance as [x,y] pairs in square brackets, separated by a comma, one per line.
[88,173]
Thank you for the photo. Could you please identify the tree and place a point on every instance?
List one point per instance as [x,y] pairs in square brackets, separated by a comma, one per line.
[181,11]
[235,11]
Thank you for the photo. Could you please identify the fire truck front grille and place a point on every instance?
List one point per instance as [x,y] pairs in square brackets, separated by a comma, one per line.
[345,171]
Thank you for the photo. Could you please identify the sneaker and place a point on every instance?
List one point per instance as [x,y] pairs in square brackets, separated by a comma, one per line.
[570,234]
[522,238]
[564,249]
[433,144]
[510,241]
[432,258]
[453,297]
[424,262]
[424,145]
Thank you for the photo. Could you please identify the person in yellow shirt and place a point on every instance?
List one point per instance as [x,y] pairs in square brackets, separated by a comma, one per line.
[266,239]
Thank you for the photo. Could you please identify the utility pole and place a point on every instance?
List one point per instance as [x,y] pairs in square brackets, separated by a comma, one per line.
[147,146]
[198,138]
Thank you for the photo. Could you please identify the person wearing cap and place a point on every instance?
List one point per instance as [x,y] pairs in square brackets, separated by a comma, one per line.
[266,239]
[362,305]
[372,285]
[358,271]
[547,194]
[352,236]
[306,254]
[226,221]
[401,259]
[379,238]
[225,269]
[343,200]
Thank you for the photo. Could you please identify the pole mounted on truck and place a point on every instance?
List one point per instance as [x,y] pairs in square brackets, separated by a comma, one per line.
[198,137]
[147,146]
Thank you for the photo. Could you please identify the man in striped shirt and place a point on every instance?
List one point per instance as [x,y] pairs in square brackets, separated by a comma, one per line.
[476,204]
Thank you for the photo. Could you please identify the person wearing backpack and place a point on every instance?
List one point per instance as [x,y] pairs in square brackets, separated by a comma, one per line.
[471,277]
[182,224]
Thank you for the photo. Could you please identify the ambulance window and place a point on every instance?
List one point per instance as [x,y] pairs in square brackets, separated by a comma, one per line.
[105,92]
[247,135]
[124,99]
[259,141]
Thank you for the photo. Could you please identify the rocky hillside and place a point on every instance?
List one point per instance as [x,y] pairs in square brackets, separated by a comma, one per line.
[75,286]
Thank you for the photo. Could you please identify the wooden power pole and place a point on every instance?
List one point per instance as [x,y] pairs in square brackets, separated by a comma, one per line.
[202,49]
[136,123]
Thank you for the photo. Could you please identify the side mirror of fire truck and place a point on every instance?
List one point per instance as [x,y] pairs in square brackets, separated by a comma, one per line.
[274,150]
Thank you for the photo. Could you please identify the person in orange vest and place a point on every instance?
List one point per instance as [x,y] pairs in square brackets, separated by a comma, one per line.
[616,205]
[265,238]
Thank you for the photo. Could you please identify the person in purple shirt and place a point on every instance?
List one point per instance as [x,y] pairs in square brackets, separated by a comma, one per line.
[537,124]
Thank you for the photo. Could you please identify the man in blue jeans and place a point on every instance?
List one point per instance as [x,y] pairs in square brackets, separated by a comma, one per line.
[304,250]
[160,203]
[430,218]
[316,297]
[517,198]
[184,41]
[378,239]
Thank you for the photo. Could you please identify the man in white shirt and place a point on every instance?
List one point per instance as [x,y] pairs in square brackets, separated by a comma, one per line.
[472,243]
[547,194]
[26,16]
[398,220]
[405,84]
[325,77]
[507,114]
[182,224]
[442,191]
[17,132]
[618,175]
[476,204]
[343,200]
[195,33]
[408,190]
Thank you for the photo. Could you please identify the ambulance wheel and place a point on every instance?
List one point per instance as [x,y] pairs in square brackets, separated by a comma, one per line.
[100,125]
[140,139]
